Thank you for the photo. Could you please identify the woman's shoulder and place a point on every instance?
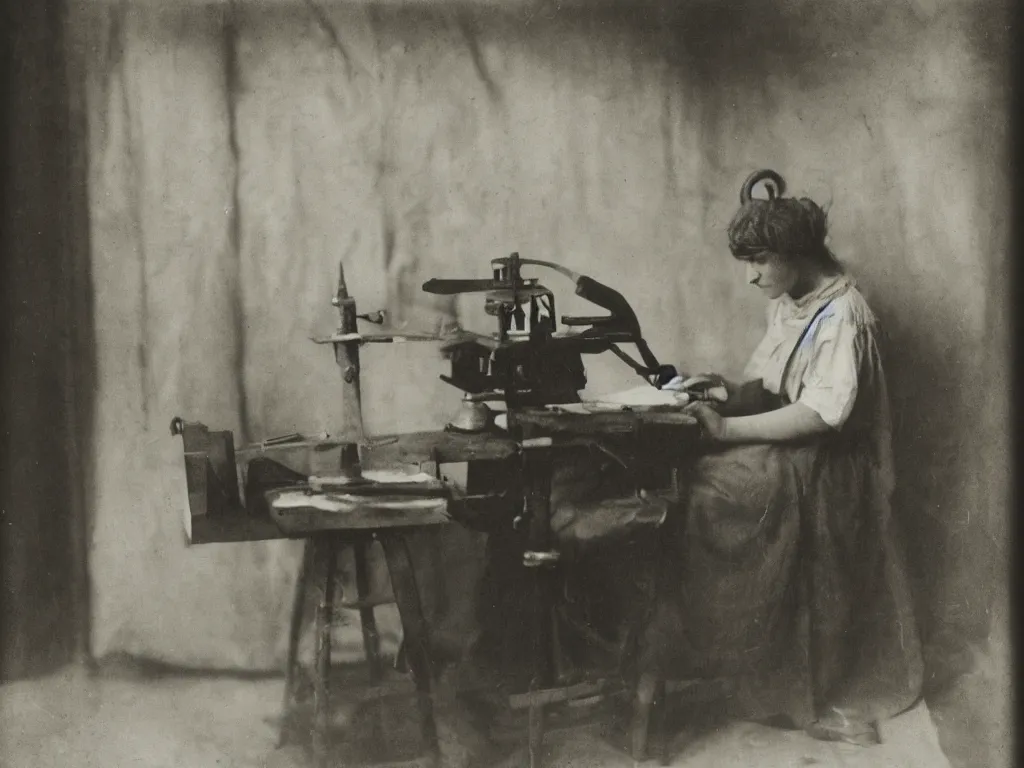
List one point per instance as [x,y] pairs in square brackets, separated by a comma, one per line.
[851,307]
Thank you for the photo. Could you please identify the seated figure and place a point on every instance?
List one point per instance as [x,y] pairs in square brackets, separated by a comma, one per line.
[780,570]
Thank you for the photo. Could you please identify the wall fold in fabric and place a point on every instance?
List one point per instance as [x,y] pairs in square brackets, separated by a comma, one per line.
[238,154]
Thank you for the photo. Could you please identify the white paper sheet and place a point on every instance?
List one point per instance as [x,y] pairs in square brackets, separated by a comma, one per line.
[334,502]
[376,476]
[642,395]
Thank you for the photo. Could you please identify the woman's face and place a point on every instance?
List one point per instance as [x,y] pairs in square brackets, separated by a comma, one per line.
[773,273]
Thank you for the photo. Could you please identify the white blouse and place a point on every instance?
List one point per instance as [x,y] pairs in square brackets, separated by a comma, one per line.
[822,351]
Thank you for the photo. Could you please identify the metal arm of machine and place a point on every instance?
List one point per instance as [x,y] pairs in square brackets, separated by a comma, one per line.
[622,317]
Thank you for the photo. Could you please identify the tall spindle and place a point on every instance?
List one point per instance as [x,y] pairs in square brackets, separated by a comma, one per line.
[346,353]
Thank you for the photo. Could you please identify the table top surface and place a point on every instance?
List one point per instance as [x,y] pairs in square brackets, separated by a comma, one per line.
[294,520]
[606,421]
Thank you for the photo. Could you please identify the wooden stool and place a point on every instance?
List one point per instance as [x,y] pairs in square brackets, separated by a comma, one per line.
[320,560]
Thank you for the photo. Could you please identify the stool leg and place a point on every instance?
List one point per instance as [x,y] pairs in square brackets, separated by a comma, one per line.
[325,558]
[535,735]
[661,717]
[371,637]
[645,692]
[414,627]
[294,636]
[440,597]
[401,658]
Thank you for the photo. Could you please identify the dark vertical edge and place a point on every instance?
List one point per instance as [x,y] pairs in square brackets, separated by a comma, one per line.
[79,339]
[6,78]
[38,631]
[6,383]
[1016,318]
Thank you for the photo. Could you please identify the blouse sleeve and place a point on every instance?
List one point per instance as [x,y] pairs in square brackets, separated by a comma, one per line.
[831,380]
[755,365]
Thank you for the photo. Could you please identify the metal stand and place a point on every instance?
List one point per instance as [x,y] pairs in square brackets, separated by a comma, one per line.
[320,558]
[550,684]
[537,471]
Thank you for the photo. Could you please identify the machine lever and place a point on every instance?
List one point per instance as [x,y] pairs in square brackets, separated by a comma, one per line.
[570,320]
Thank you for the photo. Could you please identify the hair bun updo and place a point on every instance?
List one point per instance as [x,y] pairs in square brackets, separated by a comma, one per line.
[791,227]
[776,189]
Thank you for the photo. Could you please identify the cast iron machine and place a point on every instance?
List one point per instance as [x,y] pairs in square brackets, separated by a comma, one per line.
[321,488]
[533,363]
[535,371]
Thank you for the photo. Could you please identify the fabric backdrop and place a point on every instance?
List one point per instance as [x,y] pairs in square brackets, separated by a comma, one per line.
[238,153]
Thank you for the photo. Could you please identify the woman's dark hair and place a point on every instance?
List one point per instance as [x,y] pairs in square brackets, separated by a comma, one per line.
[785,225]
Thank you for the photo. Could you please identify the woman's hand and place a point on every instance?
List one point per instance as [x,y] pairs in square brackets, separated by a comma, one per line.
[681,382]
[705,381]
[705,386]
[710,420]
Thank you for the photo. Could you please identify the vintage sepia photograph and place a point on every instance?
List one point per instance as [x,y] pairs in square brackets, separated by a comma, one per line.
[507,384]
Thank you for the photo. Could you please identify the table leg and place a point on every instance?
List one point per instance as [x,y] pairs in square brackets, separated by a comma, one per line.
[324,561]
[294,636]
[371,637]
[415,629]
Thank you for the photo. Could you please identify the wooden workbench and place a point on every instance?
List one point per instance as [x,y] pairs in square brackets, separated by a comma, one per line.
[251,521]
[531,448]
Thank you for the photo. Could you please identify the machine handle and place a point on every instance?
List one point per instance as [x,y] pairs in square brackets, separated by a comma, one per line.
[585,320]
[608,298]
[377,317]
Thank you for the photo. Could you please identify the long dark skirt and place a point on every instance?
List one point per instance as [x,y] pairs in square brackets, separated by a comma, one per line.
[781,572]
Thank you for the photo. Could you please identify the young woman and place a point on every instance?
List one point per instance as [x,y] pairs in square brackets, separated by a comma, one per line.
[782,574]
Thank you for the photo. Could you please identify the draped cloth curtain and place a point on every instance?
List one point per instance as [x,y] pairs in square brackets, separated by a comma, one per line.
[238,151]
[45,333]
